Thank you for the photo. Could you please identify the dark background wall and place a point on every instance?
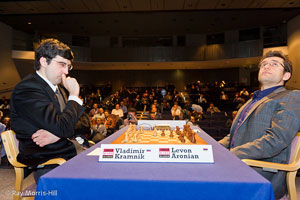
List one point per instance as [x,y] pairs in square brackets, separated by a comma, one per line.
[154,78]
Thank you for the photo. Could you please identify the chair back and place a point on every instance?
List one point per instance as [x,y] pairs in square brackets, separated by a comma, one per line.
[295,151]
[9,142]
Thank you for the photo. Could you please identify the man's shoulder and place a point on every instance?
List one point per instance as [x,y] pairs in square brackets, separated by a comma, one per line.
[30,81]
[289,93]
[292,96]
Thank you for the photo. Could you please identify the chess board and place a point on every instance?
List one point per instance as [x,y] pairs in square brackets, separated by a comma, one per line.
[147,137]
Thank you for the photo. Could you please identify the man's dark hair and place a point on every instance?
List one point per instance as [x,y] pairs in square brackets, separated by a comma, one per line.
[50,48]
[287,65]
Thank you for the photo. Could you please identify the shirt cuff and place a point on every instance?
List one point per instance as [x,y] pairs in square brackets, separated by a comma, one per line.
[75,98]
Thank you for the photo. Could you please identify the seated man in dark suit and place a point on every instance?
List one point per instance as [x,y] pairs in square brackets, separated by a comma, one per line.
[42,114]
[265,126]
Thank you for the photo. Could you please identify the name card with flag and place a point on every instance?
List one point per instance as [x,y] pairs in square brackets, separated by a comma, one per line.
[156,153]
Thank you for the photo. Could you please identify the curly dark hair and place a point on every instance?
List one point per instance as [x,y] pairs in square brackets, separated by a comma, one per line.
[50,48]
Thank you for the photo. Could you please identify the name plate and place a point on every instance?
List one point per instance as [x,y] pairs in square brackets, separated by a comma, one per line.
[156,153]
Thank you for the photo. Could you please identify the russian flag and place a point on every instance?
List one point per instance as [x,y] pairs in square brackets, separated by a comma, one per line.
[205,149]
[148,150]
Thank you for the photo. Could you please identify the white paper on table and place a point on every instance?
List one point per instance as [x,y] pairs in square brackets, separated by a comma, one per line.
[96,152]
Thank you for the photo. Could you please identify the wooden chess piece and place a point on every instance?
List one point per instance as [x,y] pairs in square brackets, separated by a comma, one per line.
[182,140]
[193,138]
[163,132]
[171,134]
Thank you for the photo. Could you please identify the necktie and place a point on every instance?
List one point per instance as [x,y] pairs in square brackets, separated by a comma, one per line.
[60,100]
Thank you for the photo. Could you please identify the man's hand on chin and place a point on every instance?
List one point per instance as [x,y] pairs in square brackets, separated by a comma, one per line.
[43,138]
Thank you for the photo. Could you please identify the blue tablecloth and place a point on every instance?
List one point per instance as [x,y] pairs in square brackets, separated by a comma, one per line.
[83,177]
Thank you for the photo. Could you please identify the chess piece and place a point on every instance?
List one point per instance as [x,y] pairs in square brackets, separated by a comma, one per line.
[126,137]
[135,139]
[182,139]
[163,132]
[193,138]
[188,127]
[155,132]
[171,134]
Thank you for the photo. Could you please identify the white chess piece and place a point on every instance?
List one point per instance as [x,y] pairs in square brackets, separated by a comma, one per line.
[155,132]
[135,139]
[141,129]
[126,137]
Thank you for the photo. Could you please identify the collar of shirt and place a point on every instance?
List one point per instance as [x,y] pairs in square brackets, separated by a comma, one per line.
[259,94]
[53,87]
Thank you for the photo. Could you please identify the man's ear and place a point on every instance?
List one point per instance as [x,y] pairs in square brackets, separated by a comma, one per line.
[43,62]
[286,76]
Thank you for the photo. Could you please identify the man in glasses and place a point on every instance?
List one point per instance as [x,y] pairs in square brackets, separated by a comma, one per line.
[266,125]
[42,115]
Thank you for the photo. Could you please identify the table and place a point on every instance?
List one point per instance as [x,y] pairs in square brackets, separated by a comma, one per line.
[83,177]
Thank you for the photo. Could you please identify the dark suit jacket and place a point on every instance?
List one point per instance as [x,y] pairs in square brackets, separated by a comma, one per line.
[267,132]
[35,106]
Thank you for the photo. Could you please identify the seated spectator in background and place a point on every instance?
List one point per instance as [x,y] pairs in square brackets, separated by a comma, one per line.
[98,130]
[166,106]
[152,116]
[155,103]
[202,101]
[178,99]
[2,100]
[243,101]
[222,84]
[109,123]
[176,112]
[98,96]
[229,121]
[5,105]
[251,95]
[117,111]
[100,114]
[237,98]
[197,112]
[197,108]
[223,96]
[151,99]
[137,103]
[131,117]
[192,121]
[94,110]
[168,97]
[123,107]
[6,122]
[145,101]
[244,93]
[187,109]
[212,108]
[92,97]
[117,98]
[156,113]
